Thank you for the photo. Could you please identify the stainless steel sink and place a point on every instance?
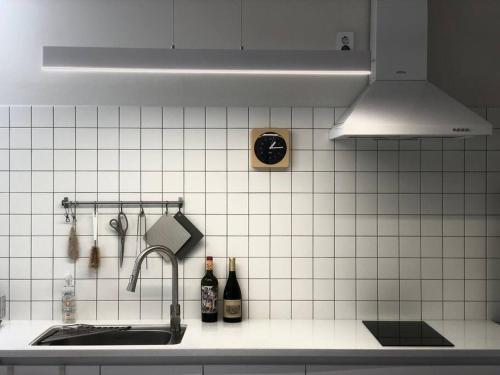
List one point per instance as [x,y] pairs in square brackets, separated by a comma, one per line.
[82,334]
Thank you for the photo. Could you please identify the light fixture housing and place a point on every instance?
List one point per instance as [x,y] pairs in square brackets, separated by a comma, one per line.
[205,61]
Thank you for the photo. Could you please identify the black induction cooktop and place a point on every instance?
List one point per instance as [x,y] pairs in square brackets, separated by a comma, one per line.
[405,333]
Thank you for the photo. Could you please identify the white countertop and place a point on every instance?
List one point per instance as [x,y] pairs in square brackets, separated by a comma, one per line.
[305,341]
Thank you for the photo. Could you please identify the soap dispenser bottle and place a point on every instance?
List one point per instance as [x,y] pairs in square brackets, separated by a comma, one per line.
[68,300]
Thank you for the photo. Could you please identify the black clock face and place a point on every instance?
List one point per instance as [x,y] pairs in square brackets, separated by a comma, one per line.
[270,148]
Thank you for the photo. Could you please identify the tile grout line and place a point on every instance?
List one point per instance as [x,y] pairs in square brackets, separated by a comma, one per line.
[226,270]
[270,223]
[420,237]
[398,153]
[97,197]
[162,297]
[75,280]
[486,224]
[183,195]
[119,198]
[31,214]
[53,212]
[205,196]
[291,228]
[355,229]
[9,315]
[334,280]
[248,204]
[313,255]
[442,230]
[140,198]
[377,312]
[464,229]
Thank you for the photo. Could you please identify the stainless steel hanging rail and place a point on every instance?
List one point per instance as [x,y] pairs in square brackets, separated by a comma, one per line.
[66,203]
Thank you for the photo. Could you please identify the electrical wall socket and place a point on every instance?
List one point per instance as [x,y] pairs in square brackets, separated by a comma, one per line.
[345,41]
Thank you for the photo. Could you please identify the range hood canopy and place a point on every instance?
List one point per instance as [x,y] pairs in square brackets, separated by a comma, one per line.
[408,109]
[400,102]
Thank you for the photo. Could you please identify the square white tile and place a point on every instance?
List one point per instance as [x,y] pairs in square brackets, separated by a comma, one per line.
[86,116]
[324,117]
[108,116]
[216,117]
[151,117]
[130,116]
[20,116]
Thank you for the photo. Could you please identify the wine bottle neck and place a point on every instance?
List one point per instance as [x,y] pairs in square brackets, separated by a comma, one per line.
[232,275]
[209,265]
[232,264]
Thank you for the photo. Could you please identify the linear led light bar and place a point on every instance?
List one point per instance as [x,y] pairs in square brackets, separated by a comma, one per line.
[222,62]
[209,71]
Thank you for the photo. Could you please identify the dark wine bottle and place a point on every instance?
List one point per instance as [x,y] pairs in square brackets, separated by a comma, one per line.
[232,296]
[209,291]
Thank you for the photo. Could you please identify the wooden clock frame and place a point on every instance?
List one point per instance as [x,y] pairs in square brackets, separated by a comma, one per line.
[255,162]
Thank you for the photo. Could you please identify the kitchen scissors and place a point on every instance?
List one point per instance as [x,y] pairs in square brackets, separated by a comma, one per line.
[120,226]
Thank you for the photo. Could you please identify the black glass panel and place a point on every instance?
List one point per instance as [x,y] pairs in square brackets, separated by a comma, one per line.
[401,333]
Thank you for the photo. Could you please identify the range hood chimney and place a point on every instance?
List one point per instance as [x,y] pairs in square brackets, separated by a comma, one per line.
[400,102]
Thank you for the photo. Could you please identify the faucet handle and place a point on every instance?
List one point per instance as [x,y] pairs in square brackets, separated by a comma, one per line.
[175,323]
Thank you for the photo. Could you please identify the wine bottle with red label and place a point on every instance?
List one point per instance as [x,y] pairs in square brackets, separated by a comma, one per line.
[209,291]
[232,296]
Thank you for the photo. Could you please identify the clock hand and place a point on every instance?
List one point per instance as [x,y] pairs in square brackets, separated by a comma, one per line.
[274,147]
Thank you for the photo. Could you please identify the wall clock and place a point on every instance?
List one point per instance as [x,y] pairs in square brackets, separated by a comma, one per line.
[270,148]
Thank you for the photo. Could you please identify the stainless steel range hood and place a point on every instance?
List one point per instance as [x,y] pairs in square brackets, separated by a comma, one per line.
[400,102]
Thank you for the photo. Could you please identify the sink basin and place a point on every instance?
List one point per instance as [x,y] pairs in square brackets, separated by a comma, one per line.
[83,334]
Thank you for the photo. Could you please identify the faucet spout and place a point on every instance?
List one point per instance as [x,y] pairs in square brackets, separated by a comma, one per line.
[175,309]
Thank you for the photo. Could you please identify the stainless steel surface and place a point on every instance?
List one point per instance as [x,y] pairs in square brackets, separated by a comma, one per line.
[175,309]
[84,335]
[71,205]
[66,203]
[400,102]
[404,109]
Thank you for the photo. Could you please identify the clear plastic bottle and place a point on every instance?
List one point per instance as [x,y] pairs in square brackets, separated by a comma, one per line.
[68,300]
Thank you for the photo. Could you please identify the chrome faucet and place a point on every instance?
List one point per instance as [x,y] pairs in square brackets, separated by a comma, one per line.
[175,309]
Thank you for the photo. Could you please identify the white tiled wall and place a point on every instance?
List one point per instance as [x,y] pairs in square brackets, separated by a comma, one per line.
[354,229]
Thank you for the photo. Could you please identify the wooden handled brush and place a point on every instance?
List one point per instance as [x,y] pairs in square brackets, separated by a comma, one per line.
[94,252]
[73,244]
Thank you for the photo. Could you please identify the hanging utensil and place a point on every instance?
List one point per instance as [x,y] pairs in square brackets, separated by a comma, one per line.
[94,252]
[167,232]
[195,234]
[73,244]
[141,218]
[120,226]
[66,211]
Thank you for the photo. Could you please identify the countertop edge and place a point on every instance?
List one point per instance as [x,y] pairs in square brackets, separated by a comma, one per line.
[151,356]
[261,342]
